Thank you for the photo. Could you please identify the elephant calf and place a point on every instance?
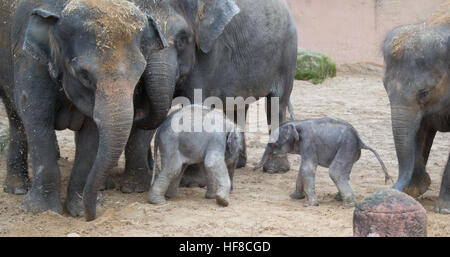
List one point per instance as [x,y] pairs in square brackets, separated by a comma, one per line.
[327,142]
[215,148]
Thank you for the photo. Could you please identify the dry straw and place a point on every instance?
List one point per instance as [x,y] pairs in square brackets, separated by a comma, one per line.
[114,21]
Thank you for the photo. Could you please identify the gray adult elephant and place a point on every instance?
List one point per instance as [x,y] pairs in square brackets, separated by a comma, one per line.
[417,82]
[75,64]
[227,48]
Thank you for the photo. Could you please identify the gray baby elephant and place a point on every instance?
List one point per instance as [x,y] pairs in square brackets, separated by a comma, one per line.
[327,142]
[216,149]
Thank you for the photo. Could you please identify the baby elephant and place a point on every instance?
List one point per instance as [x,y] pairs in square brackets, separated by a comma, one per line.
[216,150]
[327,142]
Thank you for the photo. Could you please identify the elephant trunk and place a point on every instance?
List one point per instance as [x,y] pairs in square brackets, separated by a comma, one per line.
[265,158]
[113,114]
[405,124]
[160,80]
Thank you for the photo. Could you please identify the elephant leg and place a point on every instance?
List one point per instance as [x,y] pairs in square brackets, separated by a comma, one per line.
[217,170]
[170,170]
[420,180]
[231,169]
[37,116]
[443,204]
[308,174]
[211,185]
[136,177]
[242,162]
[193,176]
[86,142]
[299,192]
[58,151]
[172,191]
[339,172]
[276,163]
[17,181]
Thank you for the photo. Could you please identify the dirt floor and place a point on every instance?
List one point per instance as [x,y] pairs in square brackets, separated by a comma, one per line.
[260,205]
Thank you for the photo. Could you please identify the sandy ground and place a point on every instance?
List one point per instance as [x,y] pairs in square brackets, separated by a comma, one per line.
[260,205]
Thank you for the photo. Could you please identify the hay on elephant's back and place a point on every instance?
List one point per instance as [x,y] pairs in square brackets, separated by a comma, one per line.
[441,16]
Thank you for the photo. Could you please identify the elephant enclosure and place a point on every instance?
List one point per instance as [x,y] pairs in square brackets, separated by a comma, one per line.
[260,205]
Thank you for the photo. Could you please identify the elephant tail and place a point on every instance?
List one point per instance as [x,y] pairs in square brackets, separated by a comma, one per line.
[155,158]
[291,110]
[387,177]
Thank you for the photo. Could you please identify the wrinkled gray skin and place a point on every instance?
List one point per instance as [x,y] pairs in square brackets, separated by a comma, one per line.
[54,77]
[216,152]
[327,142]
[194,176]
[417,83]
[229,49]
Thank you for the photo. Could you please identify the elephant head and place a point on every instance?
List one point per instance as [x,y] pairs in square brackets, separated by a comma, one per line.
[417,82]
[95,50]
[285,139]
[191,28]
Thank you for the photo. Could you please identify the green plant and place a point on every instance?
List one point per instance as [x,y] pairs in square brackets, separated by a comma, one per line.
[314,66]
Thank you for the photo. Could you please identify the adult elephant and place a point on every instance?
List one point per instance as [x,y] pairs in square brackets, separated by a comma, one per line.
[75,64]
[417,82]
[227,48]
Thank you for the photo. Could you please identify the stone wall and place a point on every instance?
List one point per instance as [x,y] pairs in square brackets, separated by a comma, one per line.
[352,31]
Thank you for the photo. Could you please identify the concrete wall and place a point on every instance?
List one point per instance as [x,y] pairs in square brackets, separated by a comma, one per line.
[352,31]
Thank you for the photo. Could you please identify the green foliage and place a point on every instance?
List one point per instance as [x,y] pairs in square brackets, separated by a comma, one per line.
[314,66]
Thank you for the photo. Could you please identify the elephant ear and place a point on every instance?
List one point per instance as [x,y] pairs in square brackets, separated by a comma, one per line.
[37,35]
[292,132]
[159,35]
[210,17]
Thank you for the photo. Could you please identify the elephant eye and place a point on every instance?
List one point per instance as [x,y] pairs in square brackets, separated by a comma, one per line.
[423,95]
[84,74]
[86,78]
[181,41]
[421,62]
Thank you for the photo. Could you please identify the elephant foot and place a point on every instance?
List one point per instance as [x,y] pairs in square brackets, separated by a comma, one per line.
[443,205]
[338,197]
[170,194]
[39,201]
[222,201]
[16,185]
[242,162]
[109,184]
[74,204]
[277,164]
[136,181]
[442,210]
[193,176]
[210,195]
[418,186]
[310,203]
[349,203]
[297,196]
[156,199]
